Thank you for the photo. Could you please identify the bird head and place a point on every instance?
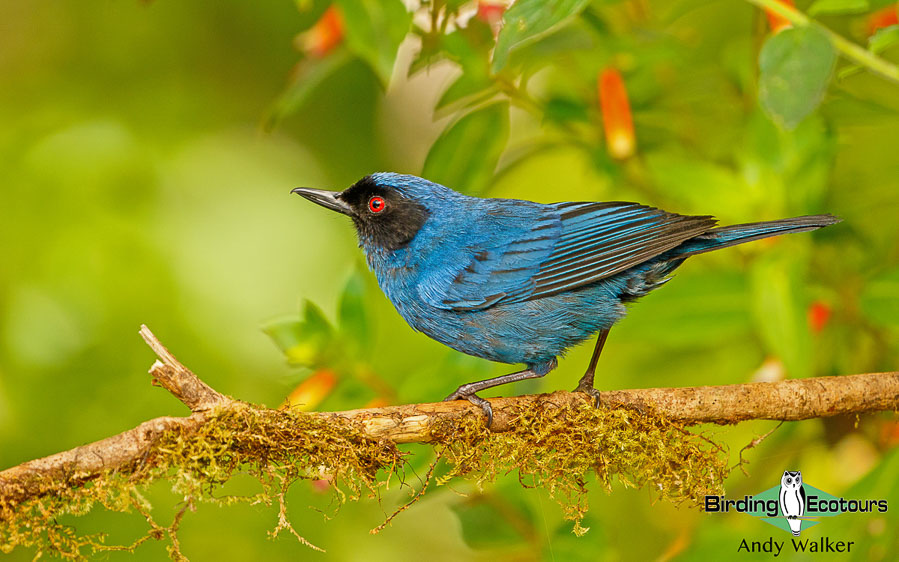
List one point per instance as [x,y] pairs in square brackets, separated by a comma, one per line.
[388,210]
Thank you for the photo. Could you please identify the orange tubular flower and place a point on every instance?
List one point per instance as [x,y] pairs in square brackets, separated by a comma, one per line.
[322,37]
[310,393]
[616,114]
[777,22]
[883,18]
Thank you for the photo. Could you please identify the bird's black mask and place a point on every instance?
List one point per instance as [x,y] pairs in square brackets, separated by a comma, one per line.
[384,218]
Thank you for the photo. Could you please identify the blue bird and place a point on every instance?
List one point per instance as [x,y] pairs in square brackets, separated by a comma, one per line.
[516,281]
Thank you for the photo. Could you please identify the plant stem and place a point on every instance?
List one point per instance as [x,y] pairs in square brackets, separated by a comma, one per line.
[848,49]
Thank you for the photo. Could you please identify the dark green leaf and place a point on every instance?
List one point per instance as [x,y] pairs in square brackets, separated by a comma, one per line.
[528,20]
[464,157]
[838,7]
[469,48]
[568,41]
[303,341]
[883,38]
[795,68]
[563,110]
[494,519]
[374,30]
[466,89]
[352,310]
[312,73]
[694,310]
[880,298]
[314,319]
[779,307]
[286,333]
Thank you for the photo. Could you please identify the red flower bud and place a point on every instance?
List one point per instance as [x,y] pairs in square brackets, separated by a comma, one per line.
[818,315]
[884,17]
[324,36]
[616,114]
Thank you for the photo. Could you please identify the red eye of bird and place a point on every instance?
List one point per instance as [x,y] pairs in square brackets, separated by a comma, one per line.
[376,204]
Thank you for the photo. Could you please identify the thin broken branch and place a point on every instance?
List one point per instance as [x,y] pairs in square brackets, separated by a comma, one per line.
[787,400]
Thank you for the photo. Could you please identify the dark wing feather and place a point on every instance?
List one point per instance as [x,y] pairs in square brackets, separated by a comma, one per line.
[571,245]
[599,240]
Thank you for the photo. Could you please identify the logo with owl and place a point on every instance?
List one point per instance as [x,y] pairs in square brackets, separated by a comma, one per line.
[792,500]
[794,506]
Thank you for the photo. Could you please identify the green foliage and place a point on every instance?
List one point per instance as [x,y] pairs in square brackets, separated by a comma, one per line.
[838,7]
[374,31]
[311,341]
[467,152]
[795,67]
[146,193]
[878,300]
[529,20]
[883,38]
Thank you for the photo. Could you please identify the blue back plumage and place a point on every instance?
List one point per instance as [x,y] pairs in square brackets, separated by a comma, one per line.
[520,282]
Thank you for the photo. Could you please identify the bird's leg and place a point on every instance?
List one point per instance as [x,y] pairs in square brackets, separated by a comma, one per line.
[586,382]
[467,391]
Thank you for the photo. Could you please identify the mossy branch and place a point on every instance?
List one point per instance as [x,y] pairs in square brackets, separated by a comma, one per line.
[553,440]
[789,400]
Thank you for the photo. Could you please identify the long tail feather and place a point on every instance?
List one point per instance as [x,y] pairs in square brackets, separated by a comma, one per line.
[725,236]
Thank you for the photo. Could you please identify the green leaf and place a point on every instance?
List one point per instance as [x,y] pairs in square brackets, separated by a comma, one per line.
[694,310]
[305,341]
[528,20]
[374,30]
[352,310]
[464,157]
[467,89]
[795,68]
[883,38]
[838,7]
[561,110]
[313,72]
[780,314]
[880,298]
[469,48]
[486,518]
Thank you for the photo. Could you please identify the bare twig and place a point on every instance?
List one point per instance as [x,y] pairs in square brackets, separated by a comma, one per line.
[179,380]
[787,401]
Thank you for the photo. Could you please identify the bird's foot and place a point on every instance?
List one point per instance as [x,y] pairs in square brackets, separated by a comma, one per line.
[462,394]
[588,389]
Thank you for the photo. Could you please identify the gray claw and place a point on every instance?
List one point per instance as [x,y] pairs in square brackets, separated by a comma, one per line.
[591,392]
[476,400]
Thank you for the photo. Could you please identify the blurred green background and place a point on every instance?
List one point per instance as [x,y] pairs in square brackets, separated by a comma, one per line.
[147,151]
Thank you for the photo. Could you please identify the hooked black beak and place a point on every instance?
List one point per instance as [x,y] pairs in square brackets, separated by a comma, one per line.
[327,199]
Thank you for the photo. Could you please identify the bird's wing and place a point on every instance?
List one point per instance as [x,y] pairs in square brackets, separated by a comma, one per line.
[571,245]
[500,266]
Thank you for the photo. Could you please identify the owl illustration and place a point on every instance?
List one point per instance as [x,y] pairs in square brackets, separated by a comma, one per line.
[792,499]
